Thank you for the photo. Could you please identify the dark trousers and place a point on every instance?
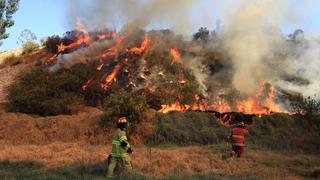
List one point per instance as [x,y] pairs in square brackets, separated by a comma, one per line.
[238,150]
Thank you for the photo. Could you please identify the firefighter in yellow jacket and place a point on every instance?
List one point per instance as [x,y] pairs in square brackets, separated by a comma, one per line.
[120,149]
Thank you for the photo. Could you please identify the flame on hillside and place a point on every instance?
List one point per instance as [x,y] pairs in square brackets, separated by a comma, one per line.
[118,57]
[250,105]
[176,56]
[82,37]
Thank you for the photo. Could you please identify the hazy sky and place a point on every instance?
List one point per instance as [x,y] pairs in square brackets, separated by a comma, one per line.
[48,17]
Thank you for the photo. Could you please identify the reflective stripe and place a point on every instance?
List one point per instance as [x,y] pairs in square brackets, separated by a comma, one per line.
[237,136]
[115,155]
[116,145]
[123,138]
[237,144]
[115,142]
[127,147]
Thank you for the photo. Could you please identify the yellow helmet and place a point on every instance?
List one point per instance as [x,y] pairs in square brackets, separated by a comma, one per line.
[122,120]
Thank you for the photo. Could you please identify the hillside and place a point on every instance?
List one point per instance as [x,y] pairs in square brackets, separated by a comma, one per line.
[59,105]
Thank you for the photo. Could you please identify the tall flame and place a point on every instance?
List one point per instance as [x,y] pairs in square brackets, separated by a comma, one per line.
[176,56]
[114,50]
[82,37]
[110,77]
[143,47]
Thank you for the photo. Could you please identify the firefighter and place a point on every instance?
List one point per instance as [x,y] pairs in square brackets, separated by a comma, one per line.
[120,149]
[237,139]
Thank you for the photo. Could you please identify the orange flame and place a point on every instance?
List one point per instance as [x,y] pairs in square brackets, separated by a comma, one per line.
[83,37]
[84,87]
[50,60]
[176,56]
[106,36]
[110,77]
[251,105]
[100,67]
[143,47]
[114,50]
[173,107]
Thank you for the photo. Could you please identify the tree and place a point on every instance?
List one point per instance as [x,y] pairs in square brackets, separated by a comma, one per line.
[202,35]
[25,36]
[7,9]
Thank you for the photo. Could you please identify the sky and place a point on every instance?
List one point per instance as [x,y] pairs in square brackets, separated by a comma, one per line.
[49,17]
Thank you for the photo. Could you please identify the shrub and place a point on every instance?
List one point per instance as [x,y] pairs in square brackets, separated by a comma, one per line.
[29,46]
[308,106]
[187,129]
[36,91]
[282,131]
[52,43]
[122,103]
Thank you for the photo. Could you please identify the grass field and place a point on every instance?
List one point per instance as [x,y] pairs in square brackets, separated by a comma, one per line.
[76,161]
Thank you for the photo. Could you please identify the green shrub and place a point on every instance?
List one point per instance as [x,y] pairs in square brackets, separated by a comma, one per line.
[308,106]
[29,46]
[283,131]
[52,43]
[37,91]
[122,103]
[187,129]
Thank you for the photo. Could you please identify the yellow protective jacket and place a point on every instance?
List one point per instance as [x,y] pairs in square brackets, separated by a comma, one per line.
[120,144]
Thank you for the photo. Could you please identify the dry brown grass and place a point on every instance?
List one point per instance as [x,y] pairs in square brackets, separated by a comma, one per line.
[18,128]
[164,161]
[14,58]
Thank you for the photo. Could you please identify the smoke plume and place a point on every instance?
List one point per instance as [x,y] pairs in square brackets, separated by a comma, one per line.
[251,35]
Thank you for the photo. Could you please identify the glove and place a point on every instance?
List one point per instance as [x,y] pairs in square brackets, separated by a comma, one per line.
[129,150]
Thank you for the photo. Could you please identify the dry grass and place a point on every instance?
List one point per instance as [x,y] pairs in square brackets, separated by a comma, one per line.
[160,162]
[81,127]
[11,52]
[13,59]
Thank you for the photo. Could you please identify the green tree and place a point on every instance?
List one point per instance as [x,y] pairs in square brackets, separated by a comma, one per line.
[7,9]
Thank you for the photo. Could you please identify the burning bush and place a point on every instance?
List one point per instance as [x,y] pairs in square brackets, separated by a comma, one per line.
[36,91]
[123,103]
[52,43]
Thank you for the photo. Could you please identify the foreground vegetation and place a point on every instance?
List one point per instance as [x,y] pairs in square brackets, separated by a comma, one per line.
[278,131]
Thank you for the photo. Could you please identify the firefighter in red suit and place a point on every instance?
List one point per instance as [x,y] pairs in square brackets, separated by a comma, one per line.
[237,139]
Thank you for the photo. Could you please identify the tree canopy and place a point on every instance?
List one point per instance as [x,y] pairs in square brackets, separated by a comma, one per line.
[7,9]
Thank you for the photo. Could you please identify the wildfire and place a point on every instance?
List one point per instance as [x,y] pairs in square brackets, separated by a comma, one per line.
[84,87]
[114,50]
[251,105]
[100,67]
[174,107]
[110,77]
[176,56]
[142,48]
[82,37]
[106,36]
[50,60]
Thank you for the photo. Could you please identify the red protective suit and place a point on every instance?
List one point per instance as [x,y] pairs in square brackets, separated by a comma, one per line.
[237,140]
